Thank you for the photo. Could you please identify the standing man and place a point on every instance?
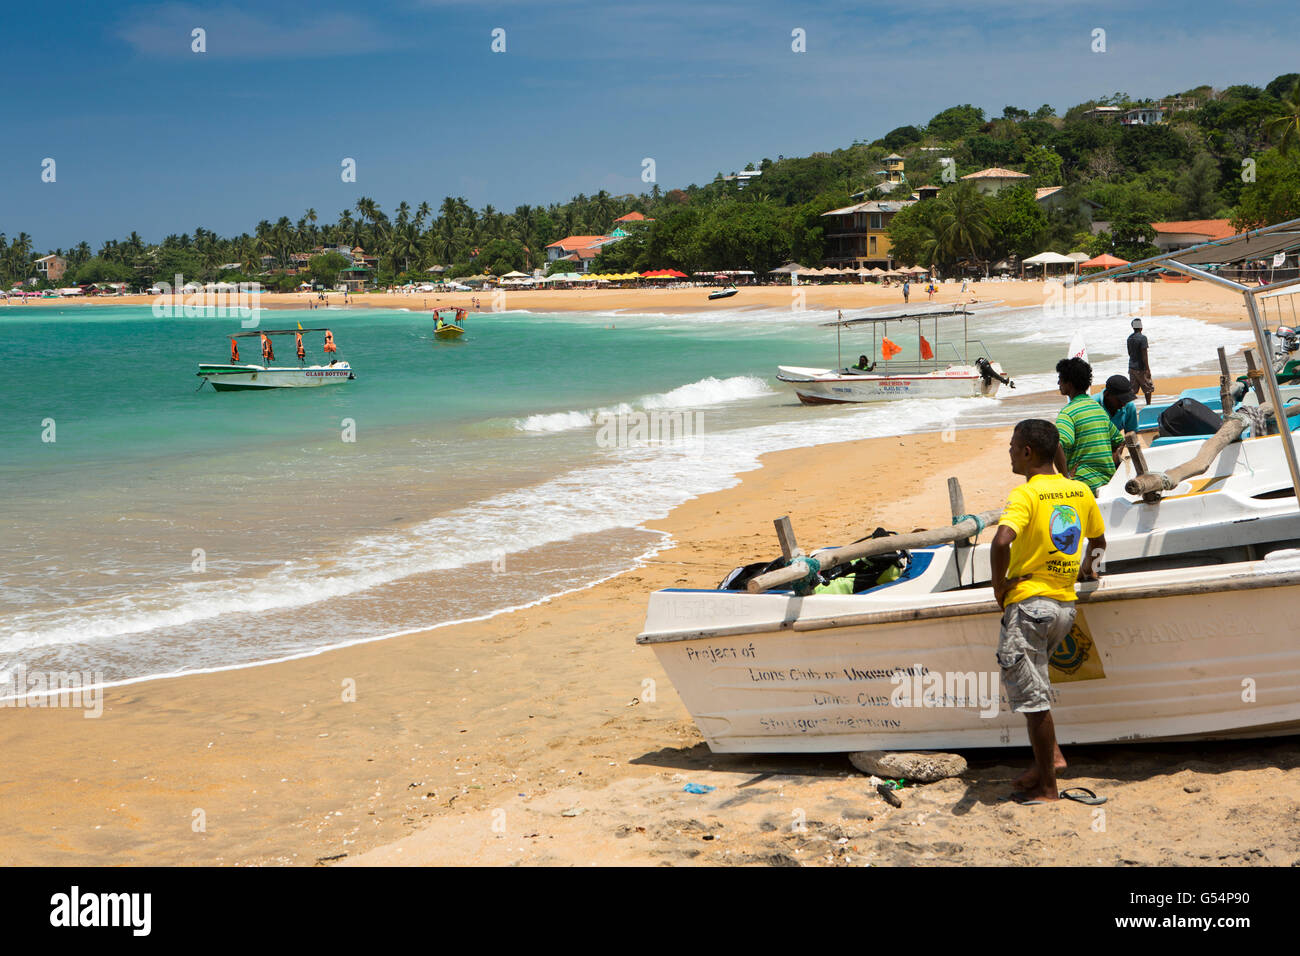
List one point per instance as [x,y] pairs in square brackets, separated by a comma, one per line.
[1139,366]
[1037,555]
[1090,444]
[1118,400]
[907,290]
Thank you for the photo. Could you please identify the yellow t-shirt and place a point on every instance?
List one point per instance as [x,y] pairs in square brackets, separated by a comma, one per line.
[1051,516]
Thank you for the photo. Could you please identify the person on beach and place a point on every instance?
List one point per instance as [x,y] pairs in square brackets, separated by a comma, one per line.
[1139,365]
[1037,554]
[1090,444]
[907,290]
[1118,400]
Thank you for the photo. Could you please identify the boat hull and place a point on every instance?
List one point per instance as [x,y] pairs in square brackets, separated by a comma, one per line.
[1204,654]
[237,378]
[827,387]
[449,332]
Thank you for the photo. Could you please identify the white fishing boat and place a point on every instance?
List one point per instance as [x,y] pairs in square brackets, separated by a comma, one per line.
[246,377]
[1190,633]
[1154,655]
[928,376]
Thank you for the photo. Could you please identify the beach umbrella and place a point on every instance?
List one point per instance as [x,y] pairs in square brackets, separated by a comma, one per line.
[1049,259]
[515,275]
[1104,261]
[788,269]
[1046,259]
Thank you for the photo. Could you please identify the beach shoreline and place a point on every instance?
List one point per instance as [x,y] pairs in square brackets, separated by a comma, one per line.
[1196,300]
[545,735]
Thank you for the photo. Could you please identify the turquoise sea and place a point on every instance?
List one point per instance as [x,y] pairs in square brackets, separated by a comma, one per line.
[148,527]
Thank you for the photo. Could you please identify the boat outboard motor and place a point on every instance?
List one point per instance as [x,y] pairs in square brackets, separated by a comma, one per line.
[988,373]
[1187,417]
[1288,340]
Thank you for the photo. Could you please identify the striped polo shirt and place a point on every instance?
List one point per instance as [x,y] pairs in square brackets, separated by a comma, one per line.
[1088,438]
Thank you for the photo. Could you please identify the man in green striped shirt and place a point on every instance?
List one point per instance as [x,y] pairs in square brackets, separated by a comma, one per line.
[1090,442]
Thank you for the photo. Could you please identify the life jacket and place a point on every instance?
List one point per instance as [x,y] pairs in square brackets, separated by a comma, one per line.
[234,352]
[268,353]
[302,353]
[329,342]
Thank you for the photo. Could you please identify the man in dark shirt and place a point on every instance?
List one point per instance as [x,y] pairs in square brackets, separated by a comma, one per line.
[1139,366]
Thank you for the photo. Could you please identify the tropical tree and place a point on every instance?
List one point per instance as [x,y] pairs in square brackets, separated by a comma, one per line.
[1284,129]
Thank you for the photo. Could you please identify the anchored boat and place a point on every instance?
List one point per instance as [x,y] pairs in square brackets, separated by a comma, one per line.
[928,376]
[237,377]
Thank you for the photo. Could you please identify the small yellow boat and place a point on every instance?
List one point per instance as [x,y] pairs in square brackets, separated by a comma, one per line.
[448,328]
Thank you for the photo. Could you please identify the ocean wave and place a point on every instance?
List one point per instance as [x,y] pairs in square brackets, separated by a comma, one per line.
[706,392]
[636,484]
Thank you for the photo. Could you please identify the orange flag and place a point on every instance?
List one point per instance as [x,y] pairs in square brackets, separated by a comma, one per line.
[926,351]
[888,349]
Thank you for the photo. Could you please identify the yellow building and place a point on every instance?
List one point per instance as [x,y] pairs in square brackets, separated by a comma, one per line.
[858,237]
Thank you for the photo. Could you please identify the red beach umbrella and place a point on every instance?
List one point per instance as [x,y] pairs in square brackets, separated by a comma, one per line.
[1104,261]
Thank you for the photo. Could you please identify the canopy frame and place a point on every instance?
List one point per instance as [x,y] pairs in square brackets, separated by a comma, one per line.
[1170,260]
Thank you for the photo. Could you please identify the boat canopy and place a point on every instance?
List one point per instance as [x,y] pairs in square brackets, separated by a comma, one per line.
[1196,262]
[939,312]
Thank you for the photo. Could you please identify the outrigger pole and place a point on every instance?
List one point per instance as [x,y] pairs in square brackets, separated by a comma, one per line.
[1169,260]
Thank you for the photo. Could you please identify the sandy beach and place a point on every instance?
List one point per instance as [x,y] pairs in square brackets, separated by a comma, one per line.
[546,736]
[1196,300]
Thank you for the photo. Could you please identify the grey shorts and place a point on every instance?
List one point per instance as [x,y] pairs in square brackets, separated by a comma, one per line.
[1031,631]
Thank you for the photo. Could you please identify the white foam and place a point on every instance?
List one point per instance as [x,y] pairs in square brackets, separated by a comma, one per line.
[702,394]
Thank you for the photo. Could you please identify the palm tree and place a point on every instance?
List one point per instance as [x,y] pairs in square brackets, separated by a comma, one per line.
[1285,129]
[403,244]
[963,228]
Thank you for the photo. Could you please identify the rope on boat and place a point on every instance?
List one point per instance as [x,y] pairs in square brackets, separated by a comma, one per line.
[979,522]
[804,586]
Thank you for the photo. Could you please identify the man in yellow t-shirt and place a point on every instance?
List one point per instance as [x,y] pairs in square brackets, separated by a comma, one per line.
[1037,554]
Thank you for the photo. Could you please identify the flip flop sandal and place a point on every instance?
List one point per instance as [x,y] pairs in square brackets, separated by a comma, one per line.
[1024,800]
[1082,795]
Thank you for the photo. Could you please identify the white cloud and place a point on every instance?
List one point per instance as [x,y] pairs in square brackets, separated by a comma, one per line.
[166,31]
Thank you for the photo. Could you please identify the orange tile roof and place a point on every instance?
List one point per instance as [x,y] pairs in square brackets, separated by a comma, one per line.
[576,242]
[997,172]
[1209,228]
[633,217]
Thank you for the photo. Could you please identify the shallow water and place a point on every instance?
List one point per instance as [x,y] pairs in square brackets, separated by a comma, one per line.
[169,529]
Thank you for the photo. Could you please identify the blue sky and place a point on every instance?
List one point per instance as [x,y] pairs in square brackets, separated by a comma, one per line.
[150,136]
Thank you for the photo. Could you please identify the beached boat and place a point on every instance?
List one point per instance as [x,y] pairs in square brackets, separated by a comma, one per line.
[775,672]
[929,376]
[236,377]
[724,293]
[449,323]
[1154,655]
[1190,633]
